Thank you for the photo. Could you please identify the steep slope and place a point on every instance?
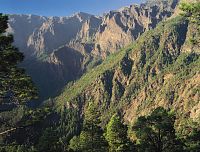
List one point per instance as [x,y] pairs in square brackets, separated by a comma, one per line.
[44,34]
[49,60]
[109,33]
[93,38]
[120,28]
[159,69]
[56,32]
[51,74]
[22,26]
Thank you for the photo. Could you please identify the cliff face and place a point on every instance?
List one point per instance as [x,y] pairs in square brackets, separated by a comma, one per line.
[46,44]
[155,71]
[46,41]
[36,35]
[120,28]
[22,26]
[41,35]
[56,32]
[160,67]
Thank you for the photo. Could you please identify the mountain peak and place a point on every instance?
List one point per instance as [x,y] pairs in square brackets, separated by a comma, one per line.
[158,2]
[82,16]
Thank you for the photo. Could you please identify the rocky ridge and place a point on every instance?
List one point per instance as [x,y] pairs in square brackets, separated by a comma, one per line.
[159,69]
[92,37]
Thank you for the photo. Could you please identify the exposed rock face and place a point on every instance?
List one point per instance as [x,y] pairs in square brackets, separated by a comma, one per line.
[62,66]
[120,28]
[89,29]
[44,41]
[49,40]
[69,59]
[116,29]
[56,32]
[22,26]
[155,71]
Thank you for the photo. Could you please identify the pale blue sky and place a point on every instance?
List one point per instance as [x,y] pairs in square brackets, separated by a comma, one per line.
[61,7]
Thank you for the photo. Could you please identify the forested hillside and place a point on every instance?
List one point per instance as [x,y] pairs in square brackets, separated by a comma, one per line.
[144,97]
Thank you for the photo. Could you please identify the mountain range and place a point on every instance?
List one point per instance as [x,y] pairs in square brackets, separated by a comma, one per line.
[101,77]
[59,50]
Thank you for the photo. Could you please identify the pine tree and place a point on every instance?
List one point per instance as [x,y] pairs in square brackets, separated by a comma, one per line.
[116,135]
[191,136]
[91,138]
[49,141]
[15,85]
[156,132]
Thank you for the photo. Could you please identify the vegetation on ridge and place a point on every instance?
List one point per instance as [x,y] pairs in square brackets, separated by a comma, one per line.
[143,98]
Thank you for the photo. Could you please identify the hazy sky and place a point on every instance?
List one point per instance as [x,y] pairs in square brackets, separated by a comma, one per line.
[61,7]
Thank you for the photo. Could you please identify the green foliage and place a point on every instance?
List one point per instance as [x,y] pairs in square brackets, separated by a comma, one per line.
[75,143]
[113,60]
[189,132]
[15,88]
[89,141]
[17,148]
[91,138]
[144,64]
[152,57]
[49,141]
[193,140]
[92,62]
[192,12]
[153,66]
[69,125]
[35,116]
[156,132]
[116,135]
[15,85]
[43,57]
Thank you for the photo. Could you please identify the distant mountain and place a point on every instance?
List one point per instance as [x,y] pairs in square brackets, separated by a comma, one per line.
[41,39]
[128,62]
[51,43]
[41,35]
[120,28]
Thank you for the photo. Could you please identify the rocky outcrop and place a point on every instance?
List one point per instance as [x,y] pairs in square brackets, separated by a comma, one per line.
[22,26]
[56,32]
[90,36]
[52,59]
[155,71]
[107,34]
[120,28]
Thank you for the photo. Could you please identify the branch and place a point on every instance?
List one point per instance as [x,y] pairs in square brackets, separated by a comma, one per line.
[13,129]
[7,131]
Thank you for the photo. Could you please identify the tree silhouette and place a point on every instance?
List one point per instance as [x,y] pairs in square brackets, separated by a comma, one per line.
[15,85]
[156,132]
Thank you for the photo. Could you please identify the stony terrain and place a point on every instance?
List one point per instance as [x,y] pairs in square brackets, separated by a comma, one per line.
[61,49]
[160,69]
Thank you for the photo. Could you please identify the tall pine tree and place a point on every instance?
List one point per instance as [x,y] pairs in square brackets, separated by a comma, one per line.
[15,85]
[156,132]
[116,135]
[91,138]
